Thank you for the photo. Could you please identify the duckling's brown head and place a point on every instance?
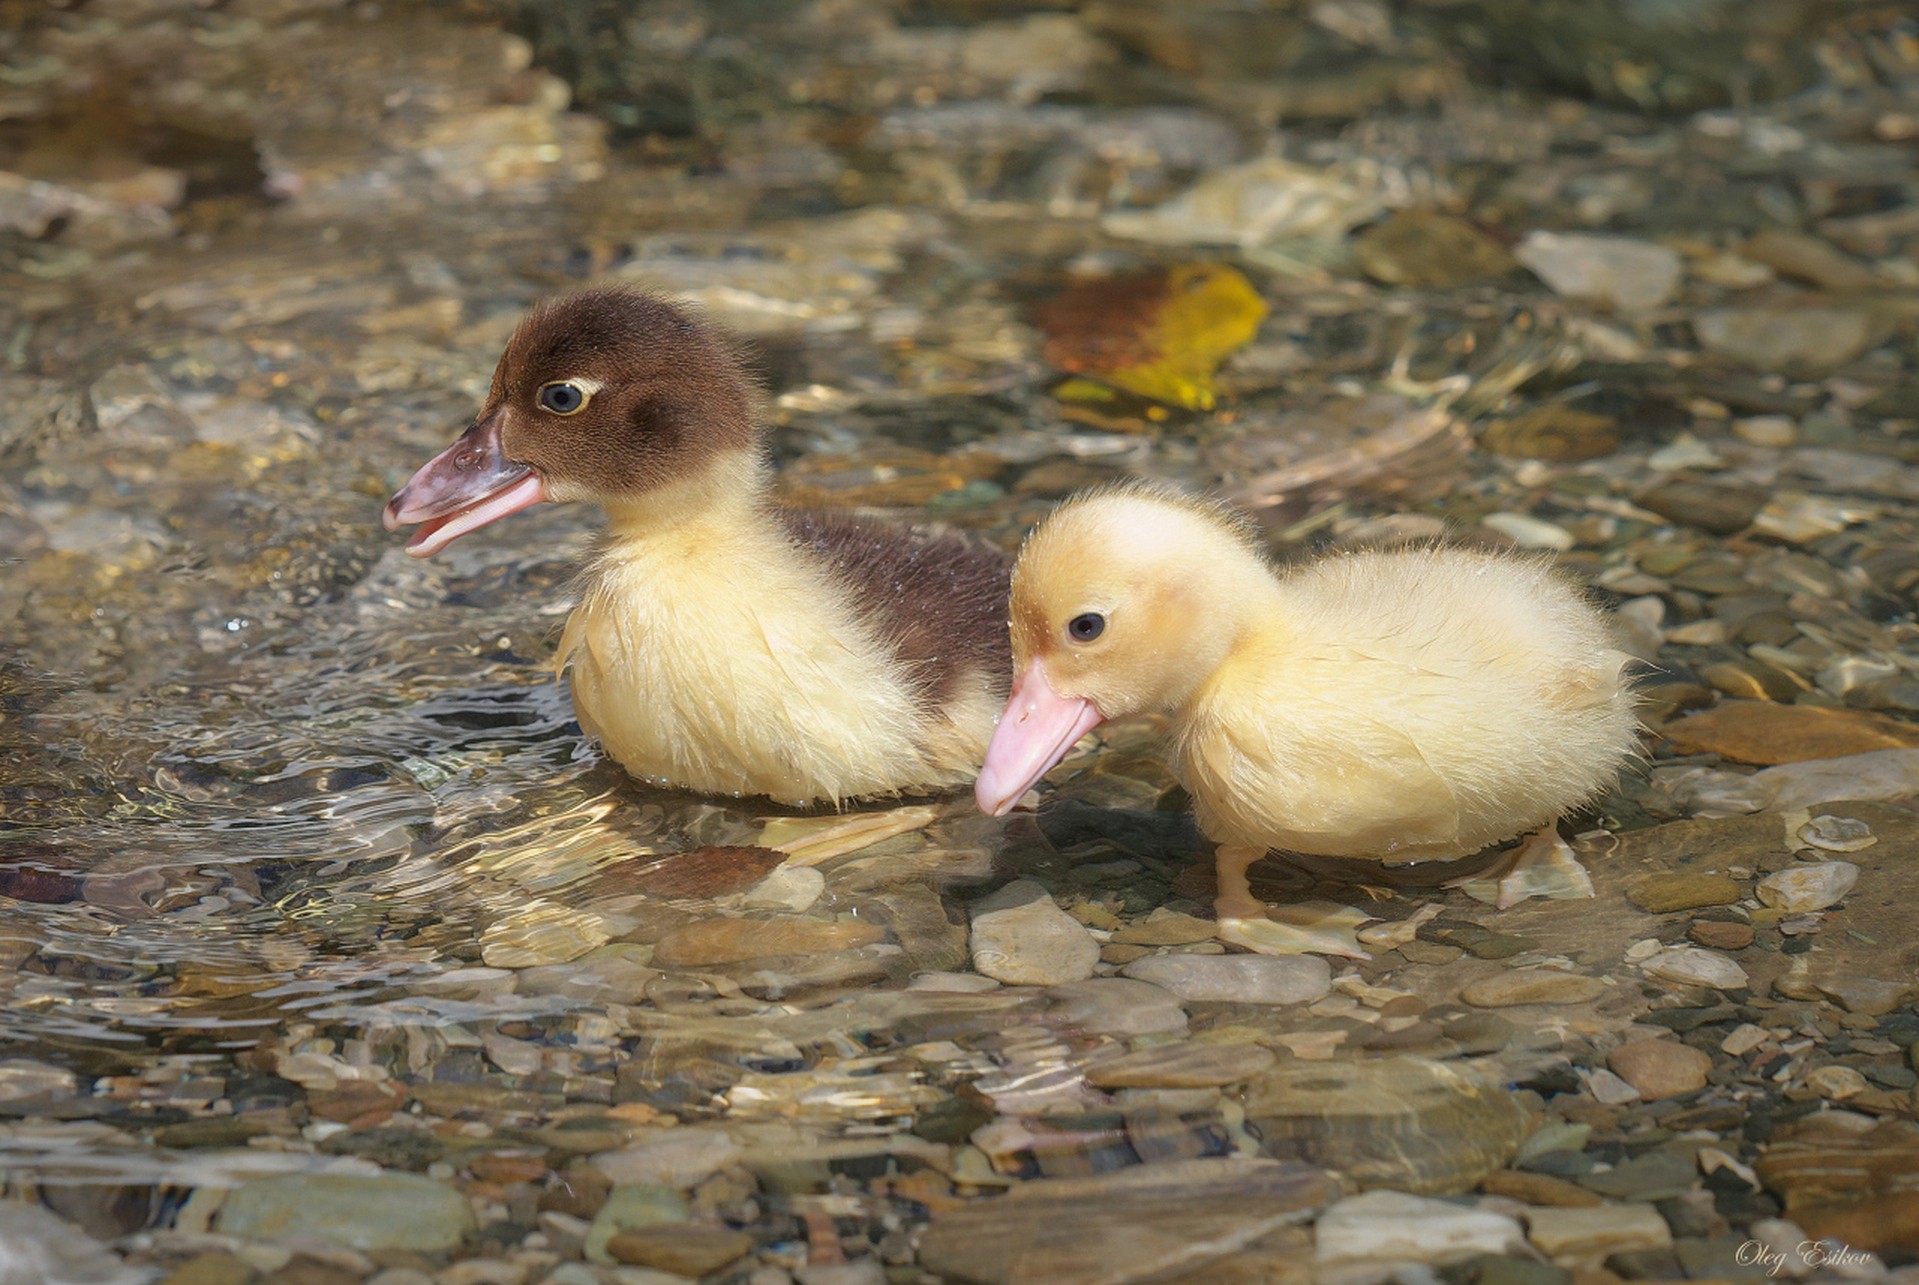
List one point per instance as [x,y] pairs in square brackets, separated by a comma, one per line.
[607,395]
[1124,600]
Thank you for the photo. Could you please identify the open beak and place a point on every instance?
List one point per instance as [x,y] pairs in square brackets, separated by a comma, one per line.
[464,487]
[1034,733]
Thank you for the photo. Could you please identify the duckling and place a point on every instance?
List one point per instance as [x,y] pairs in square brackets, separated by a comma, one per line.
[722,643]
[1407,705]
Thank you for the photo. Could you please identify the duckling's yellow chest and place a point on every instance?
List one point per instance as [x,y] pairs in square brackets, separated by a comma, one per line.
[716,656]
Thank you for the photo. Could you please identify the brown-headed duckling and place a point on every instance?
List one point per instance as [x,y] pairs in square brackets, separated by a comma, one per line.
[723,642]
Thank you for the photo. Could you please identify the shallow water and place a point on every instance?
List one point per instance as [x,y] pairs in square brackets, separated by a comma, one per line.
[306,869]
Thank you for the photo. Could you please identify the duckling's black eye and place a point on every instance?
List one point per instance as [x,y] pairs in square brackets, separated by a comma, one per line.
[562,398]
[1087,627]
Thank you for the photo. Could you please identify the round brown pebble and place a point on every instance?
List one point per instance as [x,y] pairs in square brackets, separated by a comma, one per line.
[507,1167]
[686,1251]
[1403,1006]
[1660,1068]
[1721,936]
[1531,986]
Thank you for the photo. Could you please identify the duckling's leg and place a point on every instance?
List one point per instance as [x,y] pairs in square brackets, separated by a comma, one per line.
[1245,920]
[1236,899]
[1542,866]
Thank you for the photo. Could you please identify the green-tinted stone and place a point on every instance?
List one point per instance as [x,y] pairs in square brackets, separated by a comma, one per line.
[1660,894]
[1427,248]
[209,1131]
[1475,940]
[952,1120]
[360,1211]
[1651,1176]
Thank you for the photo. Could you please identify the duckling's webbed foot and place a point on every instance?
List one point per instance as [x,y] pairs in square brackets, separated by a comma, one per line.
[1277,937]
[1245,920]
[1542,866]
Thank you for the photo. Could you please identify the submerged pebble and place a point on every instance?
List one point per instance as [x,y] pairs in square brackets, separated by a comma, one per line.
[1117,1005]
[1662,893]
[727,941]
[1394,1225]
[1619,272]
[1236,979]
[369,1212]
[1021,938]
[1806,338]
[1660,1068]
[1811,886]
[1531,986]
[1689,966]
[1601,1229]
[1181,1066]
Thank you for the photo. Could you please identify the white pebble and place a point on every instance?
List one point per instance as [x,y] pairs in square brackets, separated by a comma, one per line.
[1683,452]
[1394,1225]
[1700,633]
[1239,979]
[1529,532]
[1691,966]
[1619,271]
[1837,834]
[1607,1087]
[1811,887]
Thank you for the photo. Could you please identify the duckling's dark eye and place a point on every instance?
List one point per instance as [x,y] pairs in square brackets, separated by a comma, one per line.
[562,398]
[1087,627]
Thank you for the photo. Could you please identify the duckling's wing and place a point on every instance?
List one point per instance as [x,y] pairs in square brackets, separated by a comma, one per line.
[1363,790]
[937,596]
[1379,791]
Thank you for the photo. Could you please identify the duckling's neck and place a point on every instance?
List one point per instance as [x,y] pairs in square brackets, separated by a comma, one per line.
[1243,612]
[734,488]
[1266,628]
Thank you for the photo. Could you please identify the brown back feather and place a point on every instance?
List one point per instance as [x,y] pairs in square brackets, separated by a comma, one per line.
[937,595]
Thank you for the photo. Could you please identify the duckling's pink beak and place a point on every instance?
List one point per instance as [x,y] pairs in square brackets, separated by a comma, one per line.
[1037,729]
[464,487]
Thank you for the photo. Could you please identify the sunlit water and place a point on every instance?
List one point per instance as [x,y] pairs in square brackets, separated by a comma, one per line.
[271,789]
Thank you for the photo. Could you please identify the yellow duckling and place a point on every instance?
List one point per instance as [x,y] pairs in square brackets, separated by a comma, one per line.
[1401,705]
[723,642]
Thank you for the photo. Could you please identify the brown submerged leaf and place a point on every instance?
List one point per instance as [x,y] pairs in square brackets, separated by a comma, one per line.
[712,871]
[1768,733]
